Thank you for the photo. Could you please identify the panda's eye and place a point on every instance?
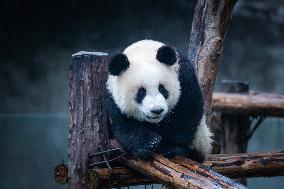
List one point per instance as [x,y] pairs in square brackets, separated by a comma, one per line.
[163,91]
[140,95]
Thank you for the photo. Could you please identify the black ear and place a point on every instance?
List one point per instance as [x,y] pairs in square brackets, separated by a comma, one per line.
[167,55]
[118,64]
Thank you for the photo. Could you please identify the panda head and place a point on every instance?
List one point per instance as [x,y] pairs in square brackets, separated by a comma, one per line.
[143,80]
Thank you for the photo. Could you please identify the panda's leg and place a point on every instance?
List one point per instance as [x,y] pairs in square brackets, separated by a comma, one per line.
[201,145]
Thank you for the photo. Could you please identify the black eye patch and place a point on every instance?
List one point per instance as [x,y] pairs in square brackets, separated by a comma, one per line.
[140,95]
[164,91]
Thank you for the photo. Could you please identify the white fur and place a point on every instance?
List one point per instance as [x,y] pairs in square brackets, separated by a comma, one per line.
[202,140]
[145,71]
[152,102]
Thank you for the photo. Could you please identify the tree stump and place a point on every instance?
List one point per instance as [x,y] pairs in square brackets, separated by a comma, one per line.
[88,131]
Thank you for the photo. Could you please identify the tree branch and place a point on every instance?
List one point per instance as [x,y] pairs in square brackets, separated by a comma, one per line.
[210,22]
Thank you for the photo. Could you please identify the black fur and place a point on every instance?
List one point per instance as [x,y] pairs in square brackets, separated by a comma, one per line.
[174,134]
[164,91]
[140,95]
[167,55]
[118,64]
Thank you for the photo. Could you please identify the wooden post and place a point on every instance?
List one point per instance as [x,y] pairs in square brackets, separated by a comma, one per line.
[234,127]
[88,121]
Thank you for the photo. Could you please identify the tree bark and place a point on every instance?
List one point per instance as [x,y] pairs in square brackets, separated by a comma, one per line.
[88,121]
[265,164]
[234,127]
[181,174]
[209,26]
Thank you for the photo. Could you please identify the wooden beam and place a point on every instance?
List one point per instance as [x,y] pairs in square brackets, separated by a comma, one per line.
[253,103]
[266,164]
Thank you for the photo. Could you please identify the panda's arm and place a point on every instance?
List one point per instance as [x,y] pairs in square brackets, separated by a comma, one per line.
[141,142]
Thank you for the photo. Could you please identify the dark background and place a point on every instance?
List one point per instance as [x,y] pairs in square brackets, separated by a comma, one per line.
[37,39]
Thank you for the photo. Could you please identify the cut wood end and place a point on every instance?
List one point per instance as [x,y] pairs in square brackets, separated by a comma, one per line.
[88,53]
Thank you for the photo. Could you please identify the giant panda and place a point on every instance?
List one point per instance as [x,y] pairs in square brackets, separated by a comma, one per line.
[155,103]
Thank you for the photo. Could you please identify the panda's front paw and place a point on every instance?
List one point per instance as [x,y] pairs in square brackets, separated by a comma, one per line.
[149,148]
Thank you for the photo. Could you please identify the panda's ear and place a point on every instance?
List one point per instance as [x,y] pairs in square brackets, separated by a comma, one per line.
[118,63]
[167,55]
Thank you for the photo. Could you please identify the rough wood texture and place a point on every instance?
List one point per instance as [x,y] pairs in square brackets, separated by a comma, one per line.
[184,174]
[173,175]
[88,121]
[253,103]
[266,164]
[234,127]
[209,27]
[123,177]
[234,132]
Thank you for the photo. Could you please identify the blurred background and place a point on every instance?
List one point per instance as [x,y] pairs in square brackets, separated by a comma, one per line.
[37,39]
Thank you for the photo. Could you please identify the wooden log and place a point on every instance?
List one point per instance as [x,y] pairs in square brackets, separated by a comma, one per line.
[88,121]
[253,103]
[123,177]
[188,174]
[266,164]
[173,175]
[209,26]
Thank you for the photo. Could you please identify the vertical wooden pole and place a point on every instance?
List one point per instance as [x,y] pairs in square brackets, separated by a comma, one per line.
[234,127]
[88,121]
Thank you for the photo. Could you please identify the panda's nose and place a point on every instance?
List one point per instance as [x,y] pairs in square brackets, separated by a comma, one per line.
[157,111]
